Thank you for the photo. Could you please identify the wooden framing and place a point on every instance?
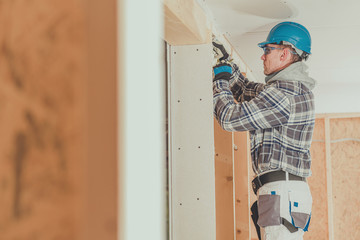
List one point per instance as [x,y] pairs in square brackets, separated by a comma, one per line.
[329,178]
[232,160]
[102,121]
[241,181]
[185,23]
[224,183]
[121,120]
[337,115]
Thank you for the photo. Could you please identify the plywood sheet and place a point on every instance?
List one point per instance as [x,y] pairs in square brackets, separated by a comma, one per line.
[318,228]
[345,128]
[345,155]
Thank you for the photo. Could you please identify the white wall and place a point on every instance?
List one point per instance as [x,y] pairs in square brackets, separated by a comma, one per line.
[144,195]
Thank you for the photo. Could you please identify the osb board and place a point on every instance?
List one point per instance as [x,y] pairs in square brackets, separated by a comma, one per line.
[345,128]
[345,157]
[224,183]
[318,228]
[43,112]
[241,162]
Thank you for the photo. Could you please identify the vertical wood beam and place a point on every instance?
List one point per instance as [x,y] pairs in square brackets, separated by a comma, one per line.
[224,179]
[241,182]
[121,122]
[185,23]
[101,207]
[329,178]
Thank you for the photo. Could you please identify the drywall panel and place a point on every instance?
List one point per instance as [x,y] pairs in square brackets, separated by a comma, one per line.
[318,229]
[345,155]
[191,128]
[224,180]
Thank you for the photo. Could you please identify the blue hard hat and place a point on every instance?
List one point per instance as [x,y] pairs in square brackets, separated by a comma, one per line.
[291,32]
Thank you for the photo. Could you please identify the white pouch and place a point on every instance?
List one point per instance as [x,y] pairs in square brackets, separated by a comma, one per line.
[300,208]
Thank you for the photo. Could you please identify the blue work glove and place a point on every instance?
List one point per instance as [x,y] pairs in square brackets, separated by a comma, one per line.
[222,71]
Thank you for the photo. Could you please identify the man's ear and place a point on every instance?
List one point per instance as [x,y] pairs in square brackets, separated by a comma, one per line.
[285,54]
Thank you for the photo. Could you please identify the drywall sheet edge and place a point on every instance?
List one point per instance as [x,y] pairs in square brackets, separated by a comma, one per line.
[192,174]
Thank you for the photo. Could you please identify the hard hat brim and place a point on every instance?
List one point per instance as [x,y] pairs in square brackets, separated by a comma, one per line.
[263,44]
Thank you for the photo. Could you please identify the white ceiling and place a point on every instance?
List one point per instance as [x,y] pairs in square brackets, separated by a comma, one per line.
[334,26]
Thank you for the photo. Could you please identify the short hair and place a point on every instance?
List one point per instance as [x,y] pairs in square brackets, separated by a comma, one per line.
[294,56]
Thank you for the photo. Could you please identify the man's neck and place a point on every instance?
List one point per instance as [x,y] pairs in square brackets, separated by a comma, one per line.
[283,67]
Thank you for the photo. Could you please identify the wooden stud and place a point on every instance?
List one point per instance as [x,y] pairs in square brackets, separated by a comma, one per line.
[224,183]
[329,178]
[338,115]
[185,23]
[241,185]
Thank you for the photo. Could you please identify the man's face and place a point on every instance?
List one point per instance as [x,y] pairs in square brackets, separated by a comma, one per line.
[271,60]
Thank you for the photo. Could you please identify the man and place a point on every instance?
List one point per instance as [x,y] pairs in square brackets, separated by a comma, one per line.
[280,117]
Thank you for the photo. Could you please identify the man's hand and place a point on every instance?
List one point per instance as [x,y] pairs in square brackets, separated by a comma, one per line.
[219,51]
[222,71]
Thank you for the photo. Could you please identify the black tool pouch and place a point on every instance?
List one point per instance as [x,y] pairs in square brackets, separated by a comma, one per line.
[255,217]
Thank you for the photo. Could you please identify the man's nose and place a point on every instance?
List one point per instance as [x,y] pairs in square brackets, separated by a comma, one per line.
[263,57]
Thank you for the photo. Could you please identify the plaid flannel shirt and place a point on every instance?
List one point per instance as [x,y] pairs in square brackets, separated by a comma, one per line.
[279,115]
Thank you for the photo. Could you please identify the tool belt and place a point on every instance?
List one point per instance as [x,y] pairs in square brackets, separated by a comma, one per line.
[273,177]
[267,178]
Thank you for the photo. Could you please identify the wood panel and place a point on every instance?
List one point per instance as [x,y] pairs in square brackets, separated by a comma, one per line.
[241,162]
[42,149]
[52,185]
[121,121]
[224,183]
[345,155]
[101,183]
[318,229]
[185,23]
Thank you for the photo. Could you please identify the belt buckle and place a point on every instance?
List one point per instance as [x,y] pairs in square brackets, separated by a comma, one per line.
[256,184]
